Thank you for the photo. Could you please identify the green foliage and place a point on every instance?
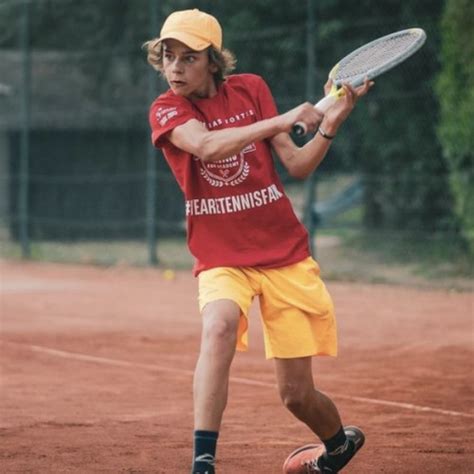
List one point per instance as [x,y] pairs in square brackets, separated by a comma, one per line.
[392,135]
[455,88]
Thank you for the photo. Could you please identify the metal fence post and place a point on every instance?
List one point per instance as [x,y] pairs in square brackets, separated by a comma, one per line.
[310,185]
[151,224]
[23,185]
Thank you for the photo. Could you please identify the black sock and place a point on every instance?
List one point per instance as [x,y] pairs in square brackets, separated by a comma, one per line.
[338,451]
[204,451]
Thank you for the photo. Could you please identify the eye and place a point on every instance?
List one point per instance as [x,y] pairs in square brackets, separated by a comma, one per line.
[190,59]
[168,56]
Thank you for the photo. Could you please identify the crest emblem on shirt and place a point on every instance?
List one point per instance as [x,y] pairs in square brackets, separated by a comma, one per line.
[229,171]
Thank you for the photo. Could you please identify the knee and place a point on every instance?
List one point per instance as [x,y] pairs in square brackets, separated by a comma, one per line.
[295,397]
[219,330]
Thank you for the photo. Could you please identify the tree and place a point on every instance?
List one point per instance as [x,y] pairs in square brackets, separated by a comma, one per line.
[391,137]
[455,89]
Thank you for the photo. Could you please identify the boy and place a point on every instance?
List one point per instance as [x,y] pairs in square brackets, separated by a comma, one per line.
[216,131]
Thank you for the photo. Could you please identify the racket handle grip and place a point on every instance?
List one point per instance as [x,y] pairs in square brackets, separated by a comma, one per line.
[326,103]
[300,129]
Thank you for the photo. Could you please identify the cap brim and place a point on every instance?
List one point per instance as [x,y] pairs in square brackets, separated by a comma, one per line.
[193,42]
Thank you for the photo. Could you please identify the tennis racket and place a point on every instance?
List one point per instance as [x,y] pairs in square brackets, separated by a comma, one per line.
[367,62]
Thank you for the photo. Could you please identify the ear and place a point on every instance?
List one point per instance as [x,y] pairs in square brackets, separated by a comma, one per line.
[213,68]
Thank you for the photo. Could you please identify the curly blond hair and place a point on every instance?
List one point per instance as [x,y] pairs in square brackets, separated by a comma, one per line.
[224,59]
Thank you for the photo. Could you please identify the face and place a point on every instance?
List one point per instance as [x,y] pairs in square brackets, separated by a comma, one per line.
[188,72]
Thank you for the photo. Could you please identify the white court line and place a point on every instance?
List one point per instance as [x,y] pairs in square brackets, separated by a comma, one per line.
[31,286]
[240,380]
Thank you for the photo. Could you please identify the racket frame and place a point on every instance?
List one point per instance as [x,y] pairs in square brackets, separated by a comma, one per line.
[337,91]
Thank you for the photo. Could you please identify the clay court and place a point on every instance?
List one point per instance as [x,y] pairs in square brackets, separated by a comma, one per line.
[97,367]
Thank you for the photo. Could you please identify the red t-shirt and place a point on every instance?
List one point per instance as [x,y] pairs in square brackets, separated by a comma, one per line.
[236,210]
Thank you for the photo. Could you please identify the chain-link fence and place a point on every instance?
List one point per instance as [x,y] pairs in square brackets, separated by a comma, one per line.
[80,181]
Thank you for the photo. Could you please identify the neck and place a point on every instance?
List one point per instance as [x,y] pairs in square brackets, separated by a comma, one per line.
[207,93]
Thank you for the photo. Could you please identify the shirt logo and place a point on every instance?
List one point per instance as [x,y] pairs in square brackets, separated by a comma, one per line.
[229,171]
[234,203]
[164,114]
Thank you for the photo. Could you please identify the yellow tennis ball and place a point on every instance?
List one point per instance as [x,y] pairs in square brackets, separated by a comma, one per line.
[169,274]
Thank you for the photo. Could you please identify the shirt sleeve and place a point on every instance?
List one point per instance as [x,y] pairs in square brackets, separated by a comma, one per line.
[167,113]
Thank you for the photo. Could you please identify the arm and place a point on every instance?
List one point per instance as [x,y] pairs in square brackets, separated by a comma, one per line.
[194,138]
[301,162]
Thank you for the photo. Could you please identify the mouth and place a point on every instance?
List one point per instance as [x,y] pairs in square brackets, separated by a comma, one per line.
[177,83]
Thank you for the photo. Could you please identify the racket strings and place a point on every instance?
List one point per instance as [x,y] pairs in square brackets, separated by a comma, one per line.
[374,56]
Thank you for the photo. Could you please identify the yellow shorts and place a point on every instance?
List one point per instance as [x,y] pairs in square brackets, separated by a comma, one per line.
[296,309]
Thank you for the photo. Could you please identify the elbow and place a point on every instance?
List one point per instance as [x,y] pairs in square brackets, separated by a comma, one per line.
[298,173]
[207,157]
[295,167]
[300,176]
[208,150]
[203,155]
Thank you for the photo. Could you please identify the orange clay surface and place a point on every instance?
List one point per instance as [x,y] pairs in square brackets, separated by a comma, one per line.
[96,376]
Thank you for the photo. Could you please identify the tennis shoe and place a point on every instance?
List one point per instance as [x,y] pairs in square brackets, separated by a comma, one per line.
[313,459]
[302,460]
[204,464]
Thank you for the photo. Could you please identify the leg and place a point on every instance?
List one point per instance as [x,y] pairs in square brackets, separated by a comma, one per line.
[295,382]
[296,386]
[211,377]
[224,293]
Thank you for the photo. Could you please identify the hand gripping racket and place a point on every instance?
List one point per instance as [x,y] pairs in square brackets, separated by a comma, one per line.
[367,62]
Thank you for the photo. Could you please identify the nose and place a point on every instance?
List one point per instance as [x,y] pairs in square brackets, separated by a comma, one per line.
[177,66]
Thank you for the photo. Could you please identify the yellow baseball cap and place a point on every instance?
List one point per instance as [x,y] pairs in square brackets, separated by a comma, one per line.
[194,28]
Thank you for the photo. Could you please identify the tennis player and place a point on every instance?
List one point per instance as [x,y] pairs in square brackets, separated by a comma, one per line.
[217,132]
